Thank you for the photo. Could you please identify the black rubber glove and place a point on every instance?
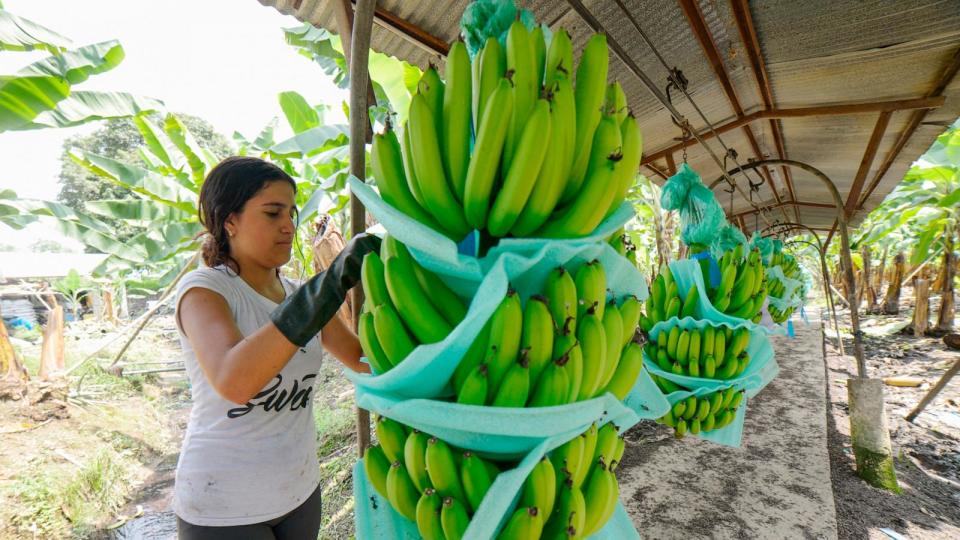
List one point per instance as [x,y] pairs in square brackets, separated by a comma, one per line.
[308,309]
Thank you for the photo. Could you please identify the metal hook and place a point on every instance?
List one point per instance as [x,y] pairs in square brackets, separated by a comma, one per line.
[677,80]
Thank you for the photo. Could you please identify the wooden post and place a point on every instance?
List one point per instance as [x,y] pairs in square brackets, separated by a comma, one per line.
[362,25]
[921,311]
[11,370]
[51,355]
[878,286]
[107,314]
[934,391]
[945,317]
[866,288]
[891,304]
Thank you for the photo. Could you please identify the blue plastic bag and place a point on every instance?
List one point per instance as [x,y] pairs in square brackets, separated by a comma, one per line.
[376,518]
[686,274]
[510,432]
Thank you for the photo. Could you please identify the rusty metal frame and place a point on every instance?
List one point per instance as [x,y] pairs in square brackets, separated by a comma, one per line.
[845,256]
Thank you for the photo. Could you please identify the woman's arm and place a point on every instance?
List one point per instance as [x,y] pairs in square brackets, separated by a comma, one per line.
[342,343]
[236,367]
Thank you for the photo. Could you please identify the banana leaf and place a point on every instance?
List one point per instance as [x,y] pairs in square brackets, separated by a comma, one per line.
[84,106]
[311,142]
[17,34]
[78,65]
[198,158]
[300,115]
[140,212]
[147,183]
[23,98]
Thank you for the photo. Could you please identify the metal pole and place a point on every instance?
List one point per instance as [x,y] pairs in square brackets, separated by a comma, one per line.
[359,127]
[845,257]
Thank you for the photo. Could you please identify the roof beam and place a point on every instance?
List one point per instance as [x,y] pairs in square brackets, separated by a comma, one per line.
[802,112]
[691,9]
[748,34]
[795,204]
[949,72]
[409,31]
[656,171]
[866,162]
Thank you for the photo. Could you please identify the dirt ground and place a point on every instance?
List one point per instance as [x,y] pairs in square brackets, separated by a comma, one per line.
[927,451]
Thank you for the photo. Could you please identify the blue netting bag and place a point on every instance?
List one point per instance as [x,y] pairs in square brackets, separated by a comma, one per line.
[700,214]
[490,18]
[765,245]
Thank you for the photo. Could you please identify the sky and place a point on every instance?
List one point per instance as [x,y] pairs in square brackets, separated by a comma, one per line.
[223,60]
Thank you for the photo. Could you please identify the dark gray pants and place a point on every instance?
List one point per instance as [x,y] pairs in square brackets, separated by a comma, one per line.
[302,523]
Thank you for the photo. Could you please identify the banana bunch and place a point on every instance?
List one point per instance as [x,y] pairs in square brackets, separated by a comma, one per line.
[565,345]
[399,313]
[585,487]
[715,352]
[700,415]
[665,302]
[517,102]
[569,494]
[426,481]
[742,289]
[786,262]
[777,289]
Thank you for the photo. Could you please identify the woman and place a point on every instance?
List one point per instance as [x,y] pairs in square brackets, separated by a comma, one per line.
[252,346]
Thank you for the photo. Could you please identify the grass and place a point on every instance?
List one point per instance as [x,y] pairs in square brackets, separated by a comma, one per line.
[337,451]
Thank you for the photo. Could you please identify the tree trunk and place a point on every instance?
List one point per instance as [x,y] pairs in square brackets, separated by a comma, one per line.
[921,313]
[891,304]
[878,287]
[866,282]
[11,370]
[51,355]
[107,313]
[945,318]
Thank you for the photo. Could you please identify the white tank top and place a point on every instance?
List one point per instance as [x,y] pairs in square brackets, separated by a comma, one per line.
[243,464]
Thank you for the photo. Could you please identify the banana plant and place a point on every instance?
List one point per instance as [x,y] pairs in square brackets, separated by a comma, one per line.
[41,94]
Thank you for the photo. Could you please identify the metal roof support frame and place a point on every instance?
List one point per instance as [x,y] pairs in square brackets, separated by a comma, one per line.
[358,57]
[871,438]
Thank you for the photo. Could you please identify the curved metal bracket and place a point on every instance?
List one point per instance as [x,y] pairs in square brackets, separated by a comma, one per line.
[845,256]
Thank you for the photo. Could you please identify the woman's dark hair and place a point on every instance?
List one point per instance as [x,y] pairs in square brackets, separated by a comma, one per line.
[228,187]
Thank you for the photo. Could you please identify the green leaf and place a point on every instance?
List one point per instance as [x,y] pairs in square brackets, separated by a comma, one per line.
[142,212]
[17,34]
[85,106]
[160,188]
[923,245]
[184,141]
[158,143]
[23,98]
[300,115]
[78,65]
[952,200]
[311,141]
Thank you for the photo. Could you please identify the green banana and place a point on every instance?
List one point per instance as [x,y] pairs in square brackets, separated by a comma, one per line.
[606,144]
[561,292]
[401,492]
[411,173]
[728,369]
[591,282]
[442,297]
[728,396]
[741,338]
[386,161]
[433,89]
[616,102]
[506,325]
[727,279]
[735,401]
[525,165]
[606,443]
[709,367]
[537,335]
[709,424]
[663,359]
[434,186]
[428,515]
[514,388]
[566,459]
[412,302]
[524,524]
[550,179]
[442,470]
[414,458]
[474,356]
[690,303]
[625,170]
[392,437]
[673,308]
[694,351]
[681,428]
[683,348]
[613,332]
[618,454]
[376,465]
[673,338]
[475,478]
[372,278]
[539,54]
[601,495]
[392,334]
[586,461]
[591,81]
[453,519]
[374,353]
[593,344]
[575,368]
[719,347]
[706,343]
[540,488]
[457,102]
[693,366]
[587,209]
[716,401]
[570,514]
[741,290]
[559,57]
[690,408]
[520,61]
[493,64]
[553,386]
[482,173]
[475,387]
[630,311]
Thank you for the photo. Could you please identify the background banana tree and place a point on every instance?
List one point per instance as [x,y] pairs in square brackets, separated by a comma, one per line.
[41,94]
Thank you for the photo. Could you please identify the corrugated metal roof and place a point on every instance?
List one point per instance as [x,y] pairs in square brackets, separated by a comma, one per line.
[816,53]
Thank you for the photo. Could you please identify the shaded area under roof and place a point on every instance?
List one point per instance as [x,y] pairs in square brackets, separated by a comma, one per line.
[813,54]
